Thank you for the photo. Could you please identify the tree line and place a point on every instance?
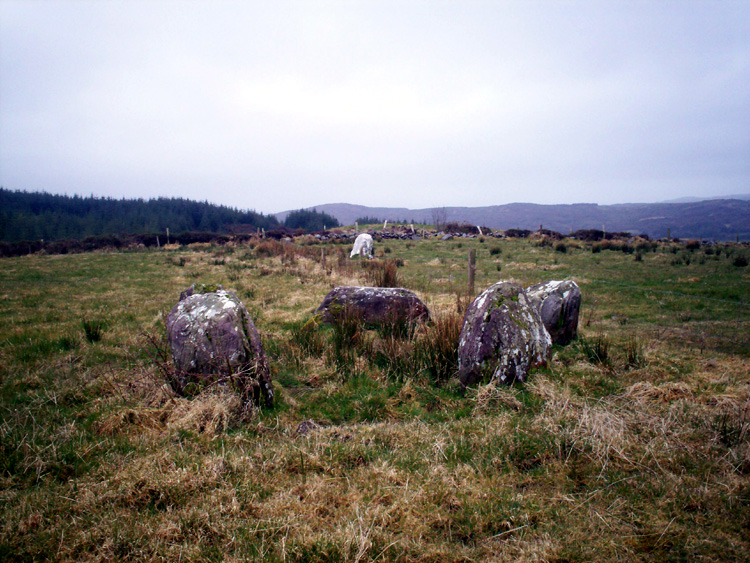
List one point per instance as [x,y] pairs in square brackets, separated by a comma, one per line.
[40,216]
[310,220]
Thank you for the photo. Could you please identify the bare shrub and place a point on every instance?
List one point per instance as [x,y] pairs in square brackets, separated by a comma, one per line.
[244,382]
[269,247]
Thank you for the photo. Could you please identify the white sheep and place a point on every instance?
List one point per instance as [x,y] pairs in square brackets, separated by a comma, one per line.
[362,246]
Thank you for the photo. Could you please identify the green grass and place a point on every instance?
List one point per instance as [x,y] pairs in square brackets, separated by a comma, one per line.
[643,455]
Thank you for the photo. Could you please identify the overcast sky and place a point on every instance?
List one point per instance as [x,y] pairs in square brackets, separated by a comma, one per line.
[275,105]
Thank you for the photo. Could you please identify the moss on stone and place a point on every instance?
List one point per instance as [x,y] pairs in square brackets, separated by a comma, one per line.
[202,288]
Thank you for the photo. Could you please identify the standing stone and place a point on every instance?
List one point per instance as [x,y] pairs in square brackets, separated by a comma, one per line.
[213,341]
[502,337]
[373,305]
[558,303]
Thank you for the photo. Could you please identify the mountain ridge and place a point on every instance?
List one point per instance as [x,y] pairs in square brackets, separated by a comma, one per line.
[715,219]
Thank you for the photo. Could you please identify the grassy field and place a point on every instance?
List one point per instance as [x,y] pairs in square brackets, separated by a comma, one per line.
[634,445]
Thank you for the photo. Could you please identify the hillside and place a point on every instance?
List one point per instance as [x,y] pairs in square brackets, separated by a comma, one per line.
[34,216]
[723,219]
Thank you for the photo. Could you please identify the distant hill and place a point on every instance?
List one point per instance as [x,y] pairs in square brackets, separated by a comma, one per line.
[694,199]
[37,216]
[716,219]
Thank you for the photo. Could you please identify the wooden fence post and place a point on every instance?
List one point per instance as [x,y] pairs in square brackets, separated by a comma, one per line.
[472,270]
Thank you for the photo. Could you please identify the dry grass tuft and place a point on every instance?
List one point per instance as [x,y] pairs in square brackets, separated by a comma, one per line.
[132,420]
[213,412]
[605,430]
[489,397]
[645,391]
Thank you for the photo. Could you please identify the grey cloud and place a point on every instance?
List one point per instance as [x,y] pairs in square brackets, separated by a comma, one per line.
[277,105]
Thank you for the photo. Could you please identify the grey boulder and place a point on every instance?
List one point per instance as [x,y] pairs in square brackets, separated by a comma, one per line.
[213,341]
[502,337]
[558,303]
[372,305]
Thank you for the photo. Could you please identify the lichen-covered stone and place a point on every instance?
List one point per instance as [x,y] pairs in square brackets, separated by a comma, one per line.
[502,337]
[558,303]
[213,341]
[372,305]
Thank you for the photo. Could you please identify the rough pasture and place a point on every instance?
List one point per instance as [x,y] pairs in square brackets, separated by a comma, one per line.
[631,445]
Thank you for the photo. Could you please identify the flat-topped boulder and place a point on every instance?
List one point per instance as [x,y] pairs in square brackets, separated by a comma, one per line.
[213,341]
[558,303]
[372,305]
[502,337]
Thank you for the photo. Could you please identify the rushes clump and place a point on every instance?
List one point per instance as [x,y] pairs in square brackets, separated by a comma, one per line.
[395,356]
[383,273]
[596,351]
[93,329]
[307,336]
[634,353]
[347,337]
[400,348]
[732,427]
[436,350]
